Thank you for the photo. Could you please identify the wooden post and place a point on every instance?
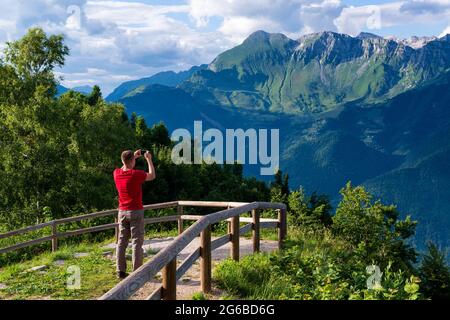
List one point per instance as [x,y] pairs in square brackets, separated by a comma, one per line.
[54,237]
[169,281]
[234,253]
[116,229]
[282,227]
[228,224]
[255,232]
[180,221]
[205,261]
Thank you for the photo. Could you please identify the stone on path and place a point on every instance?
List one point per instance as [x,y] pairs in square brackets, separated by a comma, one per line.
[110,246]
[107,253]
[38,268]
[59,262]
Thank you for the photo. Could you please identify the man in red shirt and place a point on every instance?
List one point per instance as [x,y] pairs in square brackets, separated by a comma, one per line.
[131,212]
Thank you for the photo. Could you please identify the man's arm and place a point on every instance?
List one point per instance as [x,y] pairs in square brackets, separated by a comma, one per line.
[151,175]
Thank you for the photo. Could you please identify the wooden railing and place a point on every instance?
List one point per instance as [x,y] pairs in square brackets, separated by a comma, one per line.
[55,235]
[166,259]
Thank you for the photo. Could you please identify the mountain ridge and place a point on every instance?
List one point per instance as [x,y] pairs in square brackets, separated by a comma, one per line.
[167,78]
[315,73]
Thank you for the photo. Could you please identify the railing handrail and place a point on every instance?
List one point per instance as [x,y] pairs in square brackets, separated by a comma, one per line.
[146,272]
[79,218]
[104,213]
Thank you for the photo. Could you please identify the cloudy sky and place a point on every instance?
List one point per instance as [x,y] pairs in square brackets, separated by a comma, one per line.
[116,41]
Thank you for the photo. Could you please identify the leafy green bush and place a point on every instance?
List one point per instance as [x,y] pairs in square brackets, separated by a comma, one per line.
[315,266]
[362,254]
[374,230]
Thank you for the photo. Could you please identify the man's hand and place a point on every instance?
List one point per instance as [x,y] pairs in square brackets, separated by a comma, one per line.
[137,154]
[151,169]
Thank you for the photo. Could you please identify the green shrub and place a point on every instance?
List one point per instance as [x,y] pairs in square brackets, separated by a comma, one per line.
[315,265]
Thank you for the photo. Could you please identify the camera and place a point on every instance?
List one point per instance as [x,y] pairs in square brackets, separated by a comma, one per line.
[143,151]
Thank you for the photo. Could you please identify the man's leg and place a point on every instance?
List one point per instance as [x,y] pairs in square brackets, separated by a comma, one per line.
[122,243]
[137,237]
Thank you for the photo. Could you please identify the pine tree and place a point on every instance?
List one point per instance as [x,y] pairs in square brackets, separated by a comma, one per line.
[435,274]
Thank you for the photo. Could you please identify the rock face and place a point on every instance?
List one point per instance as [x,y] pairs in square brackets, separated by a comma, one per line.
[317,72]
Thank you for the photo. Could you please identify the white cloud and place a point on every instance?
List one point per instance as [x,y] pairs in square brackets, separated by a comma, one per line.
[353,19]
[445,32]
[426,6]
[134,39]
[236,29]
[242,17]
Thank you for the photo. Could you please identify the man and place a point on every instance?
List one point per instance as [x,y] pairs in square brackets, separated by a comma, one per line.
[131,212]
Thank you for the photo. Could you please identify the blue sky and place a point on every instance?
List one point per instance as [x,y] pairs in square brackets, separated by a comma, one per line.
[114,41]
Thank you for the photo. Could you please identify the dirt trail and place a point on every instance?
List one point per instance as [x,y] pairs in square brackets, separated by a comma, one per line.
[189,283]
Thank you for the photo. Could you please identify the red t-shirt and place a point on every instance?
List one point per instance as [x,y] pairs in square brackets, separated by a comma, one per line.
[129,185]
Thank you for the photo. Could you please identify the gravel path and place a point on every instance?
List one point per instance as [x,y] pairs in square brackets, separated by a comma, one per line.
[190,281]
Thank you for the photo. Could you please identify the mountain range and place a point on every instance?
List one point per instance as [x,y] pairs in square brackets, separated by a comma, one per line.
[167,78]
[60,89]
[371,110]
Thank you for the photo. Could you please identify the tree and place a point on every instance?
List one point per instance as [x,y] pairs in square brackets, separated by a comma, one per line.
[314,210]
[29,62]
[133,120]
[279,188]
[56,155]
[374,229]
[435,274]
[95,96]
[159,135]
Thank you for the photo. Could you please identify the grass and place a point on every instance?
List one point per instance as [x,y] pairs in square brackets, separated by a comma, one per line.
[97,275]
[199,296]
[97,270]
[314,265]
[258,276]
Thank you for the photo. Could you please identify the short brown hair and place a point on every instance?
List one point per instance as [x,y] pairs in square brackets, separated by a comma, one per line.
[127,156]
